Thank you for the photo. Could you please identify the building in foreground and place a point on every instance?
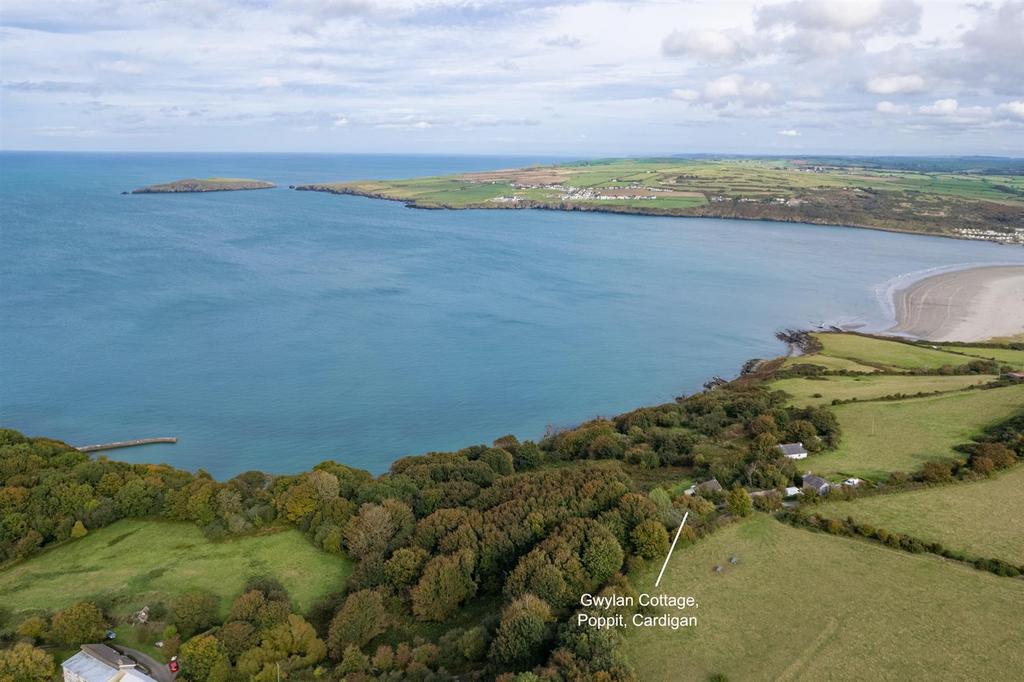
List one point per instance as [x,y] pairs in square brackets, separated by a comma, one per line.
[101,663]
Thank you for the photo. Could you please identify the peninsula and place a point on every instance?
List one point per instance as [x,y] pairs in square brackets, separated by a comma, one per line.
[204,185]
[968,198]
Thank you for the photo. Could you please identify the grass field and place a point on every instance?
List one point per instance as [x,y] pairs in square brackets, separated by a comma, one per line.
[1014,358]
[890,354]
[830,363]
[886,436]
[985,518]
[823,390]
[802,605]
[133,563]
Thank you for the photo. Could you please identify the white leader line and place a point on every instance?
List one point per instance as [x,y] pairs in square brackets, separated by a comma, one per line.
[671,549]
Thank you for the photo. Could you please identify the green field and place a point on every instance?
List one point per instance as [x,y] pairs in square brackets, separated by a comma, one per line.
[1006,356]
[133,563]
[985,518]
[823,390]
[829,363]
[886,354]
[831,192]
[802,605]
[885,436]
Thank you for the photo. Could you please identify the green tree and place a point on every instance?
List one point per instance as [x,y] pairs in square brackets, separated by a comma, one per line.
[650,539]
[33,628]
[195,611]
[25,663]
[738,502]
[353,661]
[288,646]
[447,582]
[360,619]
[78,624]
[200,656]
[522,631]
[404,566]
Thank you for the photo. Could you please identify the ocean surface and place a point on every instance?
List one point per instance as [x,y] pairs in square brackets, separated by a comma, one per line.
[274,329]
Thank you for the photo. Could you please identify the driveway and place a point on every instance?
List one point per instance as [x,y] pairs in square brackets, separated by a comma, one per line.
[157,670]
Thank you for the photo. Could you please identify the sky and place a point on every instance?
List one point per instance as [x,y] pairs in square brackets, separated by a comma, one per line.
[562,78]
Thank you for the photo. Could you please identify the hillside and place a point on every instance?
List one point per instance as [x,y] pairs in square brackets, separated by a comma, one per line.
[943,199]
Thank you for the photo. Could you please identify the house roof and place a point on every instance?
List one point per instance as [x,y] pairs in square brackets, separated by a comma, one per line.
[709,485]
[792,448]
[816,482]
[101,663]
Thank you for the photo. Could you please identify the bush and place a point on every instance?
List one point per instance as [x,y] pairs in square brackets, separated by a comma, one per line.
[78,624]
[195,611]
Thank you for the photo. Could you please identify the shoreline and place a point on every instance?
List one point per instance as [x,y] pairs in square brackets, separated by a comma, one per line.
[973,304]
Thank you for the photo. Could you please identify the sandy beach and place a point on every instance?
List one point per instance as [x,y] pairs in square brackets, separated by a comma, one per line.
[966,305]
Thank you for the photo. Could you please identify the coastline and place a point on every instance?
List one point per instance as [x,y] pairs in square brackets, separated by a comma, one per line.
[971,304]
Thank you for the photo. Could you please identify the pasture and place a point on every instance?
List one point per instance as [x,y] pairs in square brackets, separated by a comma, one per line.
[901,435]
[133,563]
[823,390]
[886,354]
[984,518]
[803,605]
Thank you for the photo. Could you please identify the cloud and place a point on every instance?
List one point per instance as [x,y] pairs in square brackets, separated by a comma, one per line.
[949,111]
[563,40]
[686,94]
[737,88]
[340,122]
[886,107]
[1013,109]
[855,16]
[706,45]
[789,133]
[891,85]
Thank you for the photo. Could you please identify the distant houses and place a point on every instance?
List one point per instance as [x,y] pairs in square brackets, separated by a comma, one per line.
[793,450]
[710,486]
[101,663]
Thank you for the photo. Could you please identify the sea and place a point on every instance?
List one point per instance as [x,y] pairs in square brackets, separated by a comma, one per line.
[275,329]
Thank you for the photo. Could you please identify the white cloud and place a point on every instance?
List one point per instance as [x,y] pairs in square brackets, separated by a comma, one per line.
[340,122]
[887,107]
[941,107]
[789,133]
[269,82]
[686,94]
[950,111]
[735,87]
[1014,109]
[891,85]
[881,16]
[704,44]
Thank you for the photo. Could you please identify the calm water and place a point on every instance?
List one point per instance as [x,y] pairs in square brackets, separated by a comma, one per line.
[275,329]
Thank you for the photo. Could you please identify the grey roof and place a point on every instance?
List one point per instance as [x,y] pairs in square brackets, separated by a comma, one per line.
[710,485]
[816,482]
[792,449]
[101,663]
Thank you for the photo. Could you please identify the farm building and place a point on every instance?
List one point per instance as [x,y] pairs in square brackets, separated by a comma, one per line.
[793,450]
[816,483]
[709,486]
[101,663]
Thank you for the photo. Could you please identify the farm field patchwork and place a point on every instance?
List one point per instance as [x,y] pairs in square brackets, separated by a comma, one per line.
[803,605]
[823,390]
[889,354]
[885,436]
[138,562]
[985,518]
[829,363]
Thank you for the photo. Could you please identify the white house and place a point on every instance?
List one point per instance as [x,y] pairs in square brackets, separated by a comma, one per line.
[101,663]
[793,450]
[792,491]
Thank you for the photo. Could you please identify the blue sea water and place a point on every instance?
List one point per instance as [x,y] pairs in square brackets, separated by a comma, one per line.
[275,329]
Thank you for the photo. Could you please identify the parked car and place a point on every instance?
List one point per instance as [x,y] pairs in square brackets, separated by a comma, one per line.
[173,665]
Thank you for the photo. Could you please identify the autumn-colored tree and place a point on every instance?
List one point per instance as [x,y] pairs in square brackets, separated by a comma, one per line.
[360,619]
[739,502]
[78,624]
[649,539]
[199,656]
[195,611]
[25,663]
[522,631]
[288,646]
[447,582]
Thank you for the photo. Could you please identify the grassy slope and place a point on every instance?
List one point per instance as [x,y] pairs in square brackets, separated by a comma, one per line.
[885,436]
[894,354]
[139,562]
[985,518]
[1014,358]
[801,605]
[830,363]
[831,388]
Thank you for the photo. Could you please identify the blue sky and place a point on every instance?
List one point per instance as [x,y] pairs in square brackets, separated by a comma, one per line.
[587,78]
